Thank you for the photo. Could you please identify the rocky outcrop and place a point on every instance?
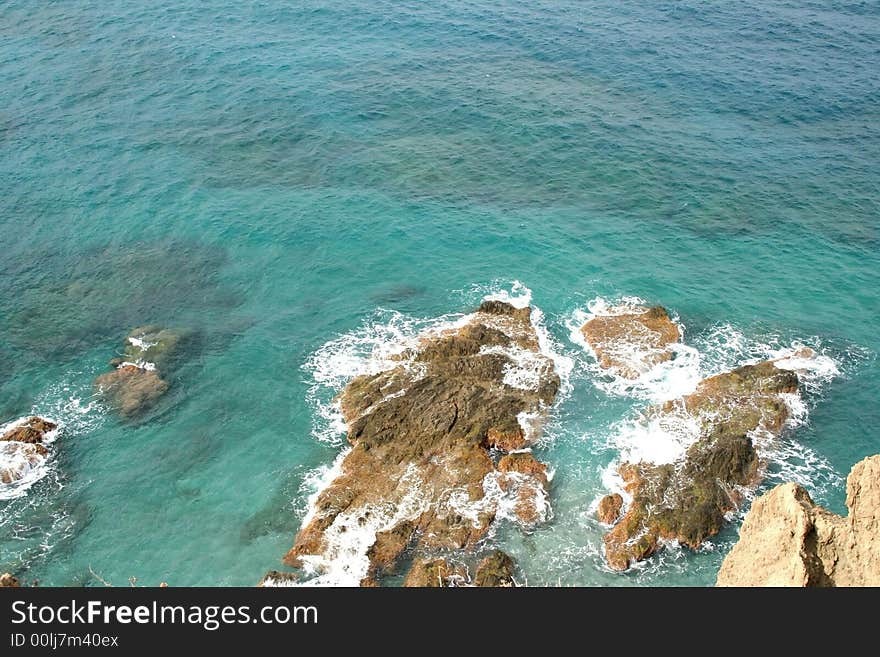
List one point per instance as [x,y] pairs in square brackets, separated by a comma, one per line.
[8,581]
[24,445]
[787,540]
[609,508]
[426,468]
[434,573]
[136,383]
[495,570]
[632,342]
[687,500]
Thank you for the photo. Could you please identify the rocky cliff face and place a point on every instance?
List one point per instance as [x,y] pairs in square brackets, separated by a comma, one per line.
[786,540]
[431,465]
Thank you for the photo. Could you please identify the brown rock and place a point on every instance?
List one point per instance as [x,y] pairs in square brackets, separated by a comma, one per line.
[523,463]
[632,343]
[32,431]
[433,573]
[507,439]
[420,433]
[495,570]
[787,540]
[609,508]
[130,389]
[136,383]
[8,581]
[687,501]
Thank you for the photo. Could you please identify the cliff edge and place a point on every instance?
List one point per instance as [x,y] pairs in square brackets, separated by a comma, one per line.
[787,540]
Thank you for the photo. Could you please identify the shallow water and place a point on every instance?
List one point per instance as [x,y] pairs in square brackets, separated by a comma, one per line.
[275,178]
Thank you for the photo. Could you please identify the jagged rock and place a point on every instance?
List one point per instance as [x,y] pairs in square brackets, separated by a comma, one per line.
[687,501]
[524,478]
[22,447]
[609,508]
[631,343]
[435,573]
[495,570]
[137,381]
[787,540]
[32,430]
[420,432]
[8,581]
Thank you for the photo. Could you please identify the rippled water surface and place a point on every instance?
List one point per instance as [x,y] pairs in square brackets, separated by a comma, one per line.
[292,183]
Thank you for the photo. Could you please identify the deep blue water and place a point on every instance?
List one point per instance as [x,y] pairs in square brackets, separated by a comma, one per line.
[273,176]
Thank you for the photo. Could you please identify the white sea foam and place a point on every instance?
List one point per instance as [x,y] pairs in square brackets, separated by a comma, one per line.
[141,344]
[140,364]
[518,296]
[22,460]
[669,379]
[344,560]
[658,439]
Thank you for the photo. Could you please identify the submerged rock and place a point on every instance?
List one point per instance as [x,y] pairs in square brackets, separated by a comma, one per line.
[687,500]
[24,446]
[631,343]
[131,389]
[421,472]
[8,581]
[787,540]
[136,383]
[279,578]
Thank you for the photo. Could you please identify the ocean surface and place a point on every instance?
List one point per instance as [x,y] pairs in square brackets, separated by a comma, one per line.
[299,183]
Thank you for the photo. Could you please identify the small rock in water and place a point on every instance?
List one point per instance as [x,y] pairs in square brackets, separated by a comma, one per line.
[137,382]
[22,448]
[8,581]
[631,343]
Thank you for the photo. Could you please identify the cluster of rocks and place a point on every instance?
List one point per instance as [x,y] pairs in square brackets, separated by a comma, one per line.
[687,500]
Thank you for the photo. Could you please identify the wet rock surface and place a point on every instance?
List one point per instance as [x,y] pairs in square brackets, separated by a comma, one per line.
[24,446]
[426,435]
[137,383]
[688,500]
[631,343]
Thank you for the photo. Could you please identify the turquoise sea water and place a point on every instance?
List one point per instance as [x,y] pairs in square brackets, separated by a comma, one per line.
[273,177]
